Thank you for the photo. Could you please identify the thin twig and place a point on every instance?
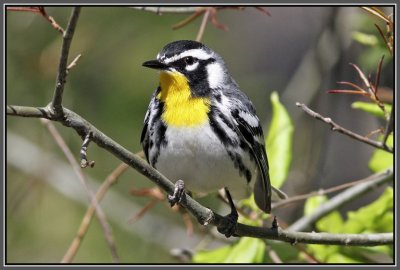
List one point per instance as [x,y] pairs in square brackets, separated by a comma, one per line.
[83,228]
[73,63]
[143,211]
[188,20]
[336,127]
[56,103]
[99,211]
[42,12]
[320,192]
[349,194]
[273,255]
[203,25]
[389,128]
[160,10]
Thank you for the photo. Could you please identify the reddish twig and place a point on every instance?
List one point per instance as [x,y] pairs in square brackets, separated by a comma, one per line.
[41,11]
[388,38]
[143,211]
[202,26]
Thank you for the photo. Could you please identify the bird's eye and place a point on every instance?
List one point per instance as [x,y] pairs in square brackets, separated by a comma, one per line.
[189,60]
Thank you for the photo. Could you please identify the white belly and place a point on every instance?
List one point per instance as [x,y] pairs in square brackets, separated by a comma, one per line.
[196,156]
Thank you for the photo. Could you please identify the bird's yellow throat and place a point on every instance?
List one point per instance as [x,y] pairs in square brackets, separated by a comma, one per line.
[180,108]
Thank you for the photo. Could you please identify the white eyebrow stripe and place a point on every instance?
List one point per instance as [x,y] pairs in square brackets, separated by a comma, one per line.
[197,53]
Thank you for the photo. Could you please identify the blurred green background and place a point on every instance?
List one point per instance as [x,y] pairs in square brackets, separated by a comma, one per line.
[298,51]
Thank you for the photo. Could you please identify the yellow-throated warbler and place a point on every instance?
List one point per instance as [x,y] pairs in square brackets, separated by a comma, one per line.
[201,128]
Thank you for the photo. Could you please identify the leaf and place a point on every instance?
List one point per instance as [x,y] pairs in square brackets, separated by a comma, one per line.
[249,202]
[322,252]
[341,258]
[380,159]
[313,203]
[279,142]
[214,256]
[365,39]
[246,250]
[371,108]
[330,223]
[375,217]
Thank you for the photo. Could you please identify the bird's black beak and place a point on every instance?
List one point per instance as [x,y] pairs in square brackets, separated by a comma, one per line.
[155,64]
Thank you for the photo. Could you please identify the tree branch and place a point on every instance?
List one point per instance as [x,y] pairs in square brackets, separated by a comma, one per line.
[160,10]
[62,68]
[336,127]
[319,192]
[38,112]
[204,215]
[342,198]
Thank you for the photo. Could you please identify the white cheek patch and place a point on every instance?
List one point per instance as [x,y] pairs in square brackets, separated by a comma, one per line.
[216,75]
[249,118]
[192,66]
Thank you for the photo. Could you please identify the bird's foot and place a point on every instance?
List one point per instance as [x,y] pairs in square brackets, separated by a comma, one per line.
[229,227]
[179,191]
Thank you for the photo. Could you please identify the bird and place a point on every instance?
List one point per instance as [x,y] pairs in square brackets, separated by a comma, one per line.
[202,131]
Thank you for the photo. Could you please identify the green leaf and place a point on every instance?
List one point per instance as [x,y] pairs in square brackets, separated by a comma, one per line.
[330,223]
[279,142]
[365,39]
[313,203]
[375,217]
[322,252]
[214,256]
[249,202]
[371,108]
[341,258]
[246,250]
[381,159]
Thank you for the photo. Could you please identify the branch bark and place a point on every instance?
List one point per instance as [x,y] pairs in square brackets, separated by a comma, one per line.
[160,10]
[62,68]
[336,127]
[204,215]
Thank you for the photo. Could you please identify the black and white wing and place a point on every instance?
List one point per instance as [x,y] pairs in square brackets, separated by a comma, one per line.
[248,126]
[243,120]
